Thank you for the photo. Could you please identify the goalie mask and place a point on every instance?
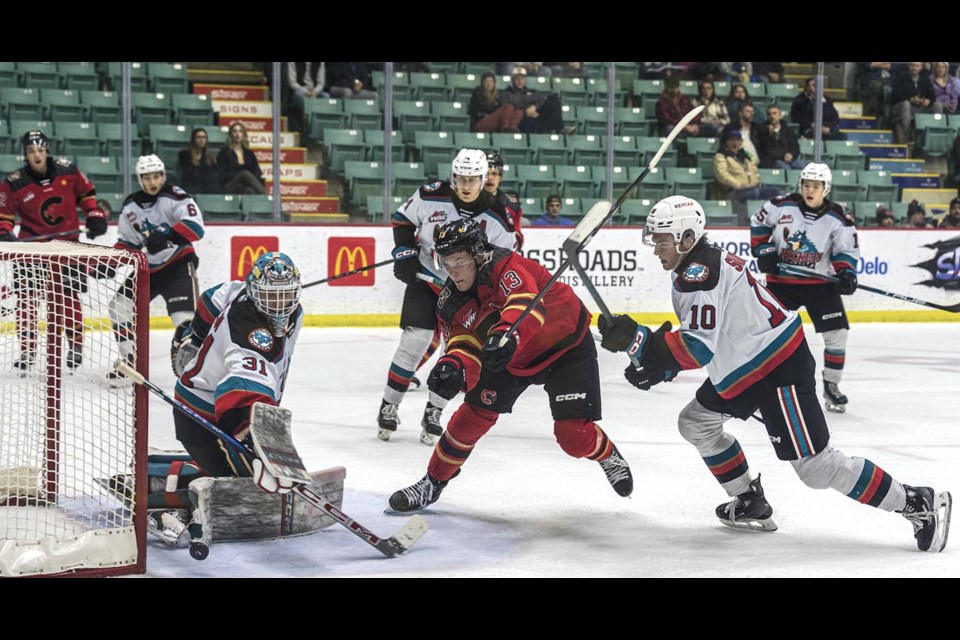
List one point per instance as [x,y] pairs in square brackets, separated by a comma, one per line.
[677,215]
[149,164]
[459,235]
[273,285]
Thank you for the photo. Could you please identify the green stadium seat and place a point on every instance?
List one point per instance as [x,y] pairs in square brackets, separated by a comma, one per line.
[462,86]
[592,120]
[846,187]
[102,106]
[103,171]
[20,127]
[632,121]
[9,163]
[430,87]
[322,114]
[597,89]
[846,154]
[775,178]
[687,181]
[622,177]
[879,185]
[78,138]
[783,94]
[79,76]
[151,108]
[9,143]
[513,147]
[865,212]
[625,151]
[478,68]
[375,207]
[363,114]
[719,213]
[649,146]
[436,149]
[402,90]
[193,110]
[168,140]
[572,91]
[62,104]
[935,134]
[624,72]
[139,81]
[168,77]
[21,104]
[654,186]
[219,206]
[702,151]
[38,75]
[8,74]
[408,177]
[509,182]
[343,145]
[647,91]
[633,211]
[532,206]
[576,181]
[373,142]
[114,199]
[412,116]
[111,137]
[258,207]
[452,116]
[537,180]
[472,140]
[550,148]
[444,67]
[365,179]
[587,149]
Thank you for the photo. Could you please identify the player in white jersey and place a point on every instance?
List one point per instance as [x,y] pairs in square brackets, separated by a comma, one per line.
[239,353]
[413,223]
[808,231]
[164,221]
[756,357]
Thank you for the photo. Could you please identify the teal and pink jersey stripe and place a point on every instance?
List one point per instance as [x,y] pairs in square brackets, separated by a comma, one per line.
[796,424]
[872,485]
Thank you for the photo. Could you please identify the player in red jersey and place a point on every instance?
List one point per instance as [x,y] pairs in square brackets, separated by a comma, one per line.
[488,288]
[45,193]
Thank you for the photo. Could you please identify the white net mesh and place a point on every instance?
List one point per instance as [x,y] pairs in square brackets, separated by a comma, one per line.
[68,425]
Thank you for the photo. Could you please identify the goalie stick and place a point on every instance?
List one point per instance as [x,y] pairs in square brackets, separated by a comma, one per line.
[595,219]
[395,545]
[797,271]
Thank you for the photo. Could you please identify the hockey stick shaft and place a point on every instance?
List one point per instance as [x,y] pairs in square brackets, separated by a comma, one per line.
[389,547]
[796,271]
[590,225]
[49,236]
[356,271]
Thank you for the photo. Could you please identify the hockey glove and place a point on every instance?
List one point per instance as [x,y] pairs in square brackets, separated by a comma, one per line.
[446,379]
[182,348]
[7,236]
[768,260]
[407,266]
[269,482]
[494,357]
[617,331]
[847,282]
[96,223]
[644,378]
[159,239]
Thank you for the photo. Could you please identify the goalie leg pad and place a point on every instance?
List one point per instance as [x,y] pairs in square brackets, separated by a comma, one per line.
[235,509]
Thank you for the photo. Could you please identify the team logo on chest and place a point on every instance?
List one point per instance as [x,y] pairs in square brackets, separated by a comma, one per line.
[799,250]
[695,272]
[468,321]
[438,216]
[261,339]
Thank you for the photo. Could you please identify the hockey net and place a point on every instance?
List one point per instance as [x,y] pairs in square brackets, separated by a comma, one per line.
[72,438]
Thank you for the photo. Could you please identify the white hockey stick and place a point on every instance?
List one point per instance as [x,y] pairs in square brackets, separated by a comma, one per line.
[591,223]
[395,545]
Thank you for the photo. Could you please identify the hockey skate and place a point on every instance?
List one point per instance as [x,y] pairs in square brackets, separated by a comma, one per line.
[74,355]
[618,473]
[419,495]
[749,510]
[929,513]
[171,526]
[431,425]
[833,399]
[387,419]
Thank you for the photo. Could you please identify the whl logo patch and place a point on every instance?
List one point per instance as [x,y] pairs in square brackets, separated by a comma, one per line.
[437,216]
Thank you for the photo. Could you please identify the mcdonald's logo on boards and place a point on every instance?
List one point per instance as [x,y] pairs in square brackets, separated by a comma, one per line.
[348,254]
[244,251]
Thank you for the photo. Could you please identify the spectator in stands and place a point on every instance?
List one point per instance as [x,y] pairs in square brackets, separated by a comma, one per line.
[306,80]
[196,165]
[551,217]
[911,93]
[777,143]
[566,69]
[738,179]
[715,116]
[771,72]
[412,67]
[237,166]
[884,217]
[671,107]
[871,77]
[737,71]
[803,112]
[946,88]
[350,80]
[489,113]
[531,68]
[750,130]
[952,219]
[737,96]
[541,110]
[917,217]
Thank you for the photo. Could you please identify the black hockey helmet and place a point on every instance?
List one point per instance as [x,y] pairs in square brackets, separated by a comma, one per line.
[34,136]
[494,161]
[460,235]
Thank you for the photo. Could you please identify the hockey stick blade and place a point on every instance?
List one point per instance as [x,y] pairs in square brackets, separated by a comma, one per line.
[390,547]
[797,271]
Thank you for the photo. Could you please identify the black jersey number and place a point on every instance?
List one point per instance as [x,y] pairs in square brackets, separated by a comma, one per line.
[509,282]
[704,317]
[255,364]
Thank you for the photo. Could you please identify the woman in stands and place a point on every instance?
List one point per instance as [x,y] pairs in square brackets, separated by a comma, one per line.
[715,117]
[196,165]
[489,113]
[237,165]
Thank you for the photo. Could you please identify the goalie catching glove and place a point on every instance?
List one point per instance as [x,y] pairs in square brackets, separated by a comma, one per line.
[446,379]
[182,348]
[269,482]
